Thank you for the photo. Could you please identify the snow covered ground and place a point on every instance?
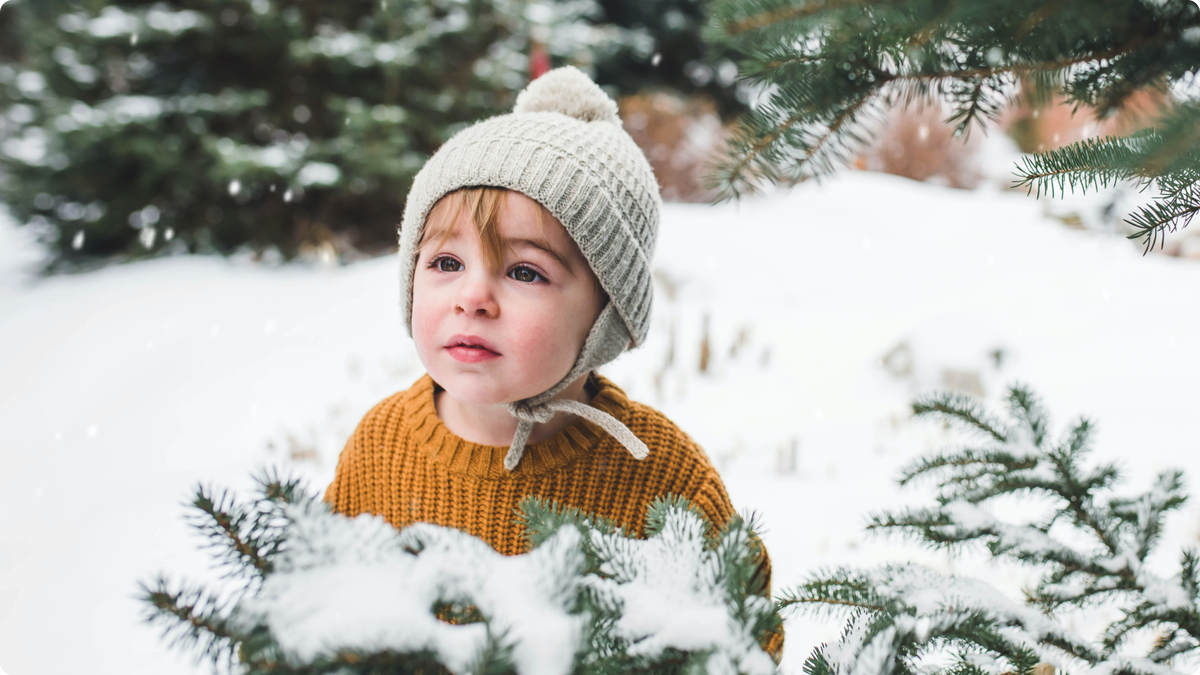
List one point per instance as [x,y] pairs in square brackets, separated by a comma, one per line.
[121,388]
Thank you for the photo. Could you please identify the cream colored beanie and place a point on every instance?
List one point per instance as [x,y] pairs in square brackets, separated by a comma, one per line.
[563,145]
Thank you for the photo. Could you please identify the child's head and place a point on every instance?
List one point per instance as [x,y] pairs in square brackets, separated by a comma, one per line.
[502,297]
[561,158]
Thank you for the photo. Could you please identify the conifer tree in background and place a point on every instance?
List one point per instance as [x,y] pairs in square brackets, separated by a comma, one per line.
[827,70]
[681,61]
[128,126]
[1090,547]
[312,591]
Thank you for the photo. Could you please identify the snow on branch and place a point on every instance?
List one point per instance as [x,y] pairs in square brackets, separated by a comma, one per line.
[324,592]
[1090,546]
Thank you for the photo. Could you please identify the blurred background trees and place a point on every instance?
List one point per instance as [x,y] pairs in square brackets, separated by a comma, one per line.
[284,127]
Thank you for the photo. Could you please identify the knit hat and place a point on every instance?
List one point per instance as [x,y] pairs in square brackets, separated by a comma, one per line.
[563,146]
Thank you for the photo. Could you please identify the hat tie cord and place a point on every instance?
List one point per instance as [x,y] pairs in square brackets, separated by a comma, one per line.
[528,415]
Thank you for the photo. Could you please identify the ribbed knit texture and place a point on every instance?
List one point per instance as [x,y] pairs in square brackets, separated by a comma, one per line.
[403,464]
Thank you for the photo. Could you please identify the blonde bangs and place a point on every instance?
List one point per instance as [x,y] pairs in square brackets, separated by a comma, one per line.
[482,204]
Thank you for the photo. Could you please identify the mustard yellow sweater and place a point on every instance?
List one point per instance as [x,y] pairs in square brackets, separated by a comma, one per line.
[403,464]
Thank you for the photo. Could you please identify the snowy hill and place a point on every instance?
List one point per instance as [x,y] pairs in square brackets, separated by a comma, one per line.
[825,309]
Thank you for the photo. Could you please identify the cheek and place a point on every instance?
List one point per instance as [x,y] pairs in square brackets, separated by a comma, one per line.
[424,317]
[551,338]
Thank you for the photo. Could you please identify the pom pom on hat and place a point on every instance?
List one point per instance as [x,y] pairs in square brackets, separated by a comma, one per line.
[569,91]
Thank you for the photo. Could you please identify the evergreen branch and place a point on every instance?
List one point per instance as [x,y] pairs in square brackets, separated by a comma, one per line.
[959,523]
[1171,644]
[839,122]
[223,521]
[662,506]
[541,519]
[190,616]
[1153,221]
[959,408]
[786,601]
[905,616]
[1177,157]
[1145,514]
[423,662]
[978,107]
[1168,155]
[998,72]
[966,466]
[806,9]
[1053,596]
[281,488]
[831,591]
[267,532]
[1077,491]
[1038,16]
[738,169]
[1026,408]
[1091,163]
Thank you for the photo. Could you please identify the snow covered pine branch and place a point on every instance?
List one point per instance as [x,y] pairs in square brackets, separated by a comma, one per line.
[1090,547]
[316,592]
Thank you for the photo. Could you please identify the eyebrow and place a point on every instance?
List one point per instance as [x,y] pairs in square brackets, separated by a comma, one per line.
[544,246]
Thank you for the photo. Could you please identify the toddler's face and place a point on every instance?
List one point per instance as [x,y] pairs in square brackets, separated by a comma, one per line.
[496,335]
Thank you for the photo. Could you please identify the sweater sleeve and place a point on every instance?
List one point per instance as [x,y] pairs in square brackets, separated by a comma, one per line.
[340,495]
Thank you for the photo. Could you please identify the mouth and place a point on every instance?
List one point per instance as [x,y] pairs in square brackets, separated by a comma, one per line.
[471,349]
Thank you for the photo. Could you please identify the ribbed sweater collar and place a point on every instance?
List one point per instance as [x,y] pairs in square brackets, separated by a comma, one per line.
[463,457]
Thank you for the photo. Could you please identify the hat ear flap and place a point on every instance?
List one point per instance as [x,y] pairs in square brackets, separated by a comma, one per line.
[608,339]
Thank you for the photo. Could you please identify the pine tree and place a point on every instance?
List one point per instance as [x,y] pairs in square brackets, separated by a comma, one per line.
[671,55]
[1090,547]
[130,127]
[827,70]
[310,591]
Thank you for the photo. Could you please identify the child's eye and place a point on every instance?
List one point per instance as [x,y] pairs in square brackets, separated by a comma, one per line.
[526,274]
[445,264]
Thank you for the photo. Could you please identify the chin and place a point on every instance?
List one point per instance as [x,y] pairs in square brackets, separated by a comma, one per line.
[478,389]
[474,388]
[473,393]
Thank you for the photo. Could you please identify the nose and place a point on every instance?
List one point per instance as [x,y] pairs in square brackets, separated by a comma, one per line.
[476,296]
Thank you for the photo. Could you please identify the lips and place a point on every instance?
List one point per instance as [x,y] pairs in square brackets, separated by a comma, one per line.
[471,349]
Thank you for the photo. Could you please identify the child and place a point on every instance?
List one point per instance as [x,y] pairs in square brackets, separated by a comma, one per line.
[524,265]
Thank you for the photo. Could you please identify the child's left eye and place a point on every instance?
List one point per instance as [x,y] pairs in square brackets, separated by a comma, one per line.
[526,274]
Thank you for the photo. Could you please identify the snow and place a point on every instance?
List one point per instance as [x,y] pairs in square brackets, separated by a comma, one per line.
[927,604]
[669,594]
[123,110]
[318,173]
[358,585]
[969,519]
[116,22]
[121,388]
[354,584]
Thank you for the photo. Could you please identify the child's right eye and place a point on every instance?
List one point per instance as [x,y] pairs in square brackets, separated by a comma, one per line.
[445,264]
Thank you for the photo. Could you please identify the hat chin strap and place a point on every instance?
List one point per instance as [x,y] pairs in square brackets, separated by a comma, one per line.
[607,339]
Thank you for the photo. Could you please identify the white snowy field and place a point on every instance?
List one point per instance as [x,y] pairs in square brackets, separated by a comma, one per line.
[121,388]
